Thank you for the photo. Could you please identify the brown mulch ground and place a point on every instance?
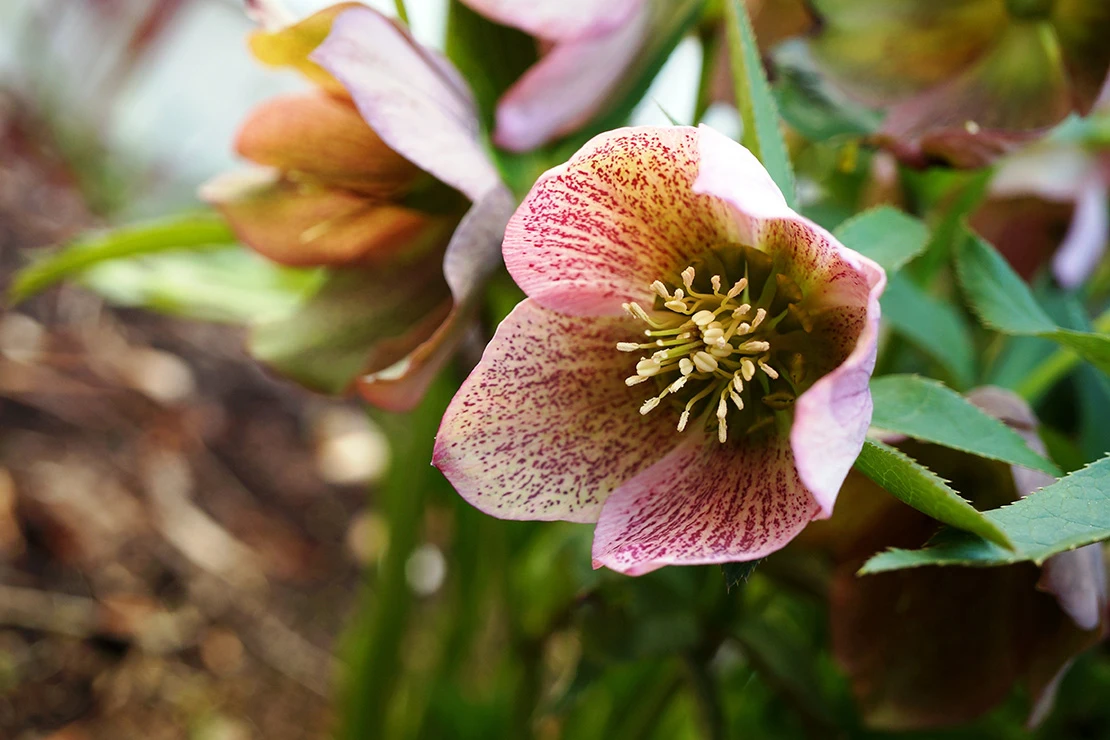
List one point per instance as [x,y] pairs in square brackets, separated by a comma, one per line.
[172,562]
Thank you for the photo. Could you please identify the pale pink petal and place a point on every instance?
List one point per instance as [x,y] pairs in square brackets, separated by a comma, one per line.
[1077,579]
[272,15]
[729,171]
[544,427]
[472,254]
[413,99]
[1048,171]
[565,19]
[704,503]
[596,231]
[1085,242]
[568,85]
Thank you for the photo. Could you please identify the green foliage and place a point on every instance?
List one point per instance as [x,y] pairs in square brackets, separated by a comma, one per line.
[886,235]
[737,574]
[762,126]
[190,231]
[1004,302]
[1070,513]
[927,410]
[919,487]
[933,325]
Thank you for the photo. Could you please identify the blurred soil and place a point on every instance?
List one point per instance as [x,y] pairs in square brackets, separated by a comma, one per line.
[173,559]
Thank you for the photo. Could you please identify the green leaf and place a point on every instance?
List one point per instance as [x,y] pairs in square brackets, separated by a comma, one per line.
[1004,302]
[885,234]
[229,285]
[926,410]
[810,103]
[737,574]
[1070,513]
[933,325]
[921,488]
[762,125]
[193,230]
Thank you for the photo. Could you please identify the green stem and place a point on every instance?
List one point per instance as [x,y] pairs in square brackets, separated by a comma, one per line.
[640,718]
[710,48]
[374,651]
[402,11]
[1056,366]
[706,696]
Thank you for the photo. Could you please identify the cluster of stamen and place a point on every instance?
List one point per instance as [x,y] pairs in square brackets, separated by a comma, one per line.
[713,349]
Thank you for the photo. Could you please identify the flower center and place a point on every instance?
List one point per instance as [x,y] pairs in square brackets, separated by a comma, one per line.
[718,346]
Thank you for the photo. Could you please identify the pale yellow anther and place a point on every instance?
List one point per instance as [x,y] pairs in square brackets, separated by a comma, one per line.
[638,312]
[754,345]
[685,366]
[715,281]
[722,407]
[649,405]
[747,368]
[713,335]
[722,430]
[772,373]
[736,400]
[738,288]
[635,380]
[744,328]
[628,347]
[704,362]
[760,314]
[677,385]
[679,306]
[738,383]
[742,310]
[661,289]
[688,278]
[703,318]
[648,367]
[682,420]
[724,351]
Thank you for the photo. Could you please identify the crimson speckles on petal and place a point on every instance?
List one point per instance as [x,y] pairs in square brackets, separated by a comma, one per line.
[673,243]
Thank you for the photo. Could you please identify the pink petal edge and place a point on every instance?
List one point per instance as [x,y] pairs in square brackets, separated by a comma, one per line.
[555,21]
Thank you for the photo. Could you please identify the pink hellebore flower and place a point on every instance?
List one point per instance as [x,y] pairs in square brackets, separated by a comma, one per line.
[690,369]
[380,175]
[590,46]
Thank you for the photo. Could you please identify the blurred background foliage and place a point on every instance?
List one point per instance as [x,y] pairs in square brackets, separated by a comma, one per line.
[187,547]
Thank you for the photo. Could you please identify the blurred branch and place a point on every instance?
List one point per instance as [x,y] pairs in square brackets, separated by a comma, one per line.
[706,696]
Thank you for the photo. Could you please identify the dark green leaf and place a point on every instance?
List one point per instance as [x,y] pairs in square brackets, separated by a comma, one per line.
[933,325]
[192,231]
[738,573]
[919,487]
[885,234]
[1004,302]
[1071,513]
[762,125]
[925,409]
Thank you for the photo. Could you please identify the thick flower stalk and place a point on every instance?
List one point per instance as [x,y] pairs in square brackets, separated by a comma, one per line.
[690,368]
[930,647]
[966,80]
[378,174]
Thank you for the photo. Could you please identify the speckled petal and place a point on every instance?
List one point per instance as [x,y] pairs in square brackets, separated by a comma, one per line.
[326,137]
[1085,243]
[704,503]
[568,86]
[566,19]
[304,224]
[412,98]
[544,427]
[472,255]
[596,231]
